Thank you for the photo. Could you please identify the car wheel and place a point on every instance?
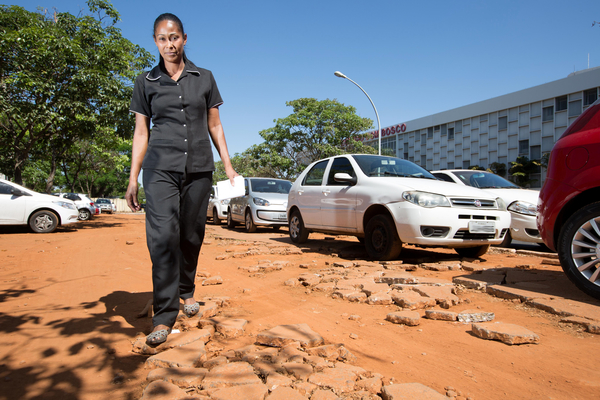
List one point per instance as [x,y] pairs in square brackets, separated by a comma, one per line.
[84,214]
[43,222]
[216,220]
[579,249]
[249,223]
[472,252]
[381,238]
[230,222]
[506,242]
[298,233]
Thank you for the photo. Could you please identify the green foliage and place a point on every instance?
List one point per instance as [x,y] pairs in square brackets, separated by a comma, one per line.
[63,79]
[316,129]
[521,170]
[476,168]
[245,165]
[498,169]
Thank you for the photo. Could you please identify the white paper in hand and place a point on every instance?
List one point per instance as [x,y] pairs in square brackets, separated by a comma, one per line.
[226,191]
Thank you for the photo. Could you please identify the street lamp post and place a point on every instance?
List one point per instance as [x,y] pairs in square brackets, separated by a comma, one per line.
[340,75]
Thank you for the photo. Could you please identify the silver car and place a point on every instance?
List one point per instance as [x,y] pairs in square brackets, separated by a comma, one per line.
[264,204]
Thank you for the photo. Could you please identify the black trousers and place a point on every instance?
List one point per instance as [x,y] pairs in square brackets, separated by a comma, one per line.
[176,206]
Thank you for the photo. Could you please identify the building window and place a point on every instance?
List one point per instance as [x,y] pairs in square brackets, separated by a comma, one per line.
[450,133]
[451,165]
[502,123]
[523,147]
[436,128]
[483,118]
[466,164]
[444,130]
[430,132]
[423,139]
[423,160]
[590,96]
[458,127]
[536,152]
[574,108]
[548,114]
[389,144]
[561,103]
[417,137]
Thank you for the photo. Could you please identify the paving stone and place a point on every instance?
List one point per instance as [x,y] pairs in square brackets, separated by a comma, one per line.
[367,264]
[232,374]
[228,327]
[371,385]
[349,295]
[181,377]
[173,340]
[298,370]
[475,267]
[343,264]
[516,275]
[161,390]
[292,282]
[191,355]
[338,380]
[537,254]
[442,266]
[256,391]
[442,294]
[285,393]
[284,334]
[475,316]
[309,279]
[412,300]
[322,394]
[393,277]
[471,283]
[329,351]
[584,322]
[511,292]
[318,363]
[207,310]
[441,315]
[213,280]
[410,318]
[276,380]
[325,287]
[304,388]
[379,299]
[358,371]
[564,307]
[433,281]
[506,333]
[266,355]
[410,391]
[268,369]
[549,261]
[213,362]
[501,250]
[346,356]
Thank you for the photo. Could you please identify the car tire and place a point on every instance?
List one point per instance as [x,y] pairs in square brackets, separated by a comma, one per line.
[580,236]
[215,217]
[249,225]
[298,233]
[381,238]
[506,241]
[472,252]
[230,222]
[43,221]
[84,214]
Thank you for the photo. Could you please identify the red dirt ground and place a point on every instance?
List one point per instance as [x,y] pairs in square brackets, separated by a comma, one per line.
[69,300]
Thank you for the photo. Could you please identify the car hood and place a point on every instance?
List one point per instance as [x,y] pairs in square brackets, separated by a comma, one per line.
[512,195]
[447,189]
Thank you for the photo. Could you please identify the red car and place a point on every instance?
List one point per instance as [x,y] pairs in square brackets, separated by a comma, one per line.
[569,204]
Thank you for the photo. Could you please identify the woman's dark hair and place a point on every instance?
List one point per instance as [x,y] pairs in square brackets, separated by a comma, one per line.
[168,17]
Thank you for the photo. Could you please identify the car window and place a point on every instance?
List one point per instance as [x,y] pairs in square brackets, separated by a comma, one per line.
[314,177]
[340,164]
[373,165]
[443,177]
[484,180]
[264,185]
[72,196]
[5,189]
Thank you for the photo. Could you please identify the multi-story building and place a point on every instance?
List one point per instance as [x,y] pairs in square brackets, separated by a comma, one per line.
[524,123]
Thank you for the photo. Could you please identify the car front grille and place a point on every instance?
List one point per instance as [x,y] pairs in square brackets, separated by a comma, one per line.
[466,235]
[474,203]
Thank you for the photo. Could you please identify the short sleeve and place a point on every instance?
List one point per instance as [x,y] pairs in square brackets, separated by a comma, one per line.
[139,102]
[213,98]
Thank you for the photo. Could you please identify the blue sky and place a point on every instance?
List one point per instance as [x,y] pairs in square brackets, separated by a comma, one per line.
[414,58]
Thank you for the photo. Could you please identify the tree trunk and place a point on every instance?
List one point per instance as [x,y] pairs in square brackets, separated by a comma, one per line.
[51,175]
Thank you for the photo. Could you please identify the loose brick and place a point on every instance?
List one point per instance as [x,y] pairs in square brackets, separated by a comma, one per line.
[506,333]
[410,318]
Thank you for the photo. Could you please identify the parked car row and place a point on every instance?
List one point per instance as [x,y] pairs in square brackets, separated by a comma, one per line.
[85,206]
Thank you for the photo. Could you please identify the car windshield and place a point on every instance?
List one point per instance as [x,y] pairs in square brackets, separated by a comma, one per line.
[373,165]
[103,201]
[264,185]
[484,180]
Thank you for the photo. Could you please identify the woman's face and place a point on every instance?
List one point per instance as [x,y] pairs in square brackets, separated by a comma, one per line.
[170,41]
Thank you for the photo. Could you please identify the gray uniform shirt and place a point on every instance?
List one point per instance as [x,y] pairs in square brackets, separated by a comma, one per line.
[179,139]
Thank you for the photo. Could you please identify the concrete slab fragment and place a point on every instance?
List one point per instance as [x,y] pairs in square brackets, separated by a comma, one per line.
[232,374]
[507,333]
[284,334]
[410,391]
[191,355]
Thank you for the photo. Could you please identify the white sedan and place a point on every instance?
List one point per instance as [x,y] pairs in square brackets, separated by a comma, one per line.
[42,212]
[522,203]
[387,201]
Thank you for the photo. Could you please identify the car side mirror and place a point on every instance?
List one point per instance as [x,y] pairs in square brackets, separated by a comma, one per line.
[343,177]
[18,192]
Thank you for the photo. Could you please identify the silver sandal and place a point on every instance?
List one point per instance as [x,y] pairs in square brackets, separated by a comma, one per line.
[191,309]
[158,337]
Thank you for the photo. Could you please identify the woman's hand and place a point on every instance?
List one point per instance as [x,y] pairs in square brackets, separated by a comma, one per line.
[231,174]
[132,196]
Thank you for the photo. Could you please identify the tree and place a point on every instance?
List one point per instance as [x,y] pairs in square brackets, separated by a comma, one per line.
[521,170]
[316,129]
[245,165]
[498,168]
[62,79]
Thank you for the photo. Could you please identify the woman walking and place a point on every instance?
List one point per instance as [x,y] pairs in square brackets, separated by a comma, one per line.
[183,102]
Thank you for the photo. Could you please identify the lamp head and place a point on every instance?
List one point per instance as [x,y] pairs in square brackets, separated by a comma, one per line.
[339,74]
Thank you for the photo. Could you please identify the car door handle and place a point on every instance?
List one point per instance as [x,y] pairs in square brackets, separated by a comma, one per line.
[300,192]
[326,192]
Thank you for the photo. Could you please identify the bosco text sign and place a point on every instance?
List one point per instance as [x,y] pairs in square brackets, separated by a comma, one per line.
[391,130]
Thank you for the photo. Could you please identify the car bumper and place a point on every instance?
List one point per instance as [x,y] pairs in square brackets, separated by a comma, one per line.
[450,225]
[553,197]
[524,228]
[69,218]
[269,217]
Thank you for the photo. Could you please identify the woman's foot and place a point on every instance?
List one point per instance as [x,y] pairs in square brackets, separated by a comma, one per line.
[158,335]
[190,307]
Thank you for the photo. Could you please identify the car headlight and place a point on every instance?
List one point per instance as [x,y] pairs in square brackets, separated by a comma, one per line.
[425,199]
[523,207]
[501,204]
[260,202]
[225,202]
[64,204]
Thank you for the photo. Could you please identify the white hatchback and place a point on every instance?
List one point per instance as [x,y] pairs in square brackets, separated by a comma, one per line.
[522,203]
[42,212]
[387,201]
